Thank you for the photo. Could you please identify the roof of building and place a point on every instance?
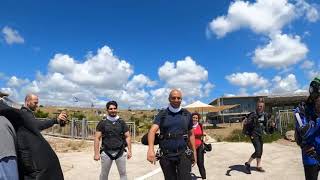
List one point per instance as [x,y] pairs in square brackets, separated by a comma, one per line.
[285,97]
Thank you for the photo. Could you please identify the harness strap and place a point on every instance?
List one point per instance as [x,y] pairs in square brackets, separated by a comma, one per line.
[298,119]
[173,136]
[179,150]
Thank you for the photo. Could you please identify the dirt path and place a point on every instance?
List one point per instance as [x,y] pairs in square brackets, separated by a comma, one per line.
[280,160]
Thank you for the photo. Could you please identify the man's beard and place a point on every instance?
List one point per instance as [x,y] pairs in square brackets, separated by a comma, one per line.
[112,115]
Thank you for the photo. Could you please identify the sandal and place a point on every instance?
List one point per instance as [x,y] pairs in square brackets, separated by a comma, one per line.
[260,169]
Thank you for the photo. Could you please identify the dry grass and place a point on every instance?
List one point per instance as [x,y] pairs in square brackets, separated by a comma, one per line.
[69,145]
[91,113]
[222,131]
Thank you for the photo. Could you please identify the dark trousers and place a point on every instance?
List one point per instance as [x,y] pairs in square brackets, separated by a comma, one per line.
[258,146]
[311,172]
[178,168]
[200,162]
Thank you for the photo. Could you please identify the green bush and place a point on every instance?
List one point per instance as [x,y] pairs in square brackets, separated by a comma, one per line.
[78,115]
[268,138]
[238,136]
[41,114]
[143,124]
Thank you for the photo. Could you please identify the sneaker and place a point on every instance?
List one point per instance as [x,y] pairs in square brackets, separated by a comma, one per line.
[248,167]
[260,169]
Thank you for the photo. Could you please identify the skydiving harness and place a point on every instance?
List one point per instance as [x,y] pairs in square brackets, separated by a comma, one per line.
[115,142]
[172,135]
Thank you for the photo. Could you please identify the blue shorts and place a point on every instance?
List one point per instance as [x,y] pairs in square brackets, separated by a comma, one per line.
[9,168]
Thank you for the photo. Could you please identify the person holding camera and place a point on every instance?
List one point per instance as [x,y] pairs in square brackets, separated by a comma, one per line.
[175,140]
[37,160]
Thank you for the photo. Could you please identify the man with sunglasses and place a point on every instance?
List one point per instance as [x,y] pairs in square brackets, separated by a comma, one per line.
[175,140]
[308,130]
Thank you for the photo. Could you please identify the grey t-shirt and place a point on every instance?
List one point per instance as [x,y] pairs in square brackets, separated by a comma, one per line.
[7,138]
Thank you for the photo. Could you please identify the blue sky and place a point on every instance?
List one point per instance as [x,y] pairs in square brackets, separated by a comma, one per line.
[135,51]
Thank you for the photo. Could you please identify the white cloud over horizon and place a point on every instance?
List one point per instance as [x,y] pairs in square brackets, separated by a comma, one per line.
[103,76]
[186,75]
[279,85]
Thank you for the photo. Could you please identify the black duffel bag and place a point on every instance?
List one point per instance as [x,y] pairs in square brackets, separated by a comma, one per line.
[144,139]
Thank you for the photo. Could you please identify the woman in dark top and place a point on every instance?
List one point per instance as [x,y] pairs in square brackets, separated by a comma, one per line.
[259,120]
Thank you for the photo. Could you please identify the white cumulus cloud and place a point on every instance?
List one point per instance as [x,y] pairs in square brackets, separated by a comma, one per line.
[268,18]
[262,16]
[186,75]
[102,76]
[99,77]
[16,82]
[247,79]
[281,52]
[103,70]
[284,85]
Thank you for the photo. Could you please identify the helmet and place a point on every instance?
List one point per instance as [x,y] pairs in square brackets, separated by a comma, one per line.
[314,88]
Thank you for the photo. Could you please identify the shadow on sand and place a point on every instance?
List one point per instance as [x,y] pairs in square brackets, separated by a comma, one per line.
[240,168]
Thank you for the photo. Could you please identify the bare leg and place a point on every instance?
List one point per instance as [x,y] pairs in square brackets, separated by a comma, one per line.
[258,162]
[250,160]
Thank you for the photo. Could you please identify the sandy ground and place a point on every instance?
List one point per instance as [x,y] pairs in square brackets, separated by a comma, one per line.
[281,160]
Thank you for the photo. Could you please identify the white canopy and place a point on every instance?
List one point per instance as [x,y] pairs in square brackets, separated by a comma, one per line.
[203,107]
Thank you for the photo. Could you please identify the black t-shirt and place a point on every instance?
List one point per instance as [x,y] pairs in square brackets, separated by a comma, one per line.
[112,132]
[174,123]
